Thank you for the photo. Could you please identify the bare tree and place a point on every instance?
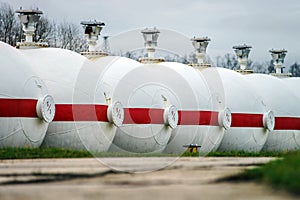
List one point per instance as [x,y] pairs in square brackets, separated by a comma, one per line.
[230,61]
[258,67]
[10,28]
[70,37]
[131,54]
[64,35]
[227,61]
[295,69]
[271,68]
[44,30]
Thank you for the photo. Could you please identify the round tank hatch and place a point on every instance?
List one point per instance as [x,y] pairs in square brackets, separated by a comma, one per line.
[171,116]
[115,113]
[45,108]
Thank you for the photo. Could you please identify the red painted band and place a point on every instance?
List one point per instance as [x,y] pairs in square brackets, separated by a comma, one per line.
[18,108]
[143,116]
[287,123]
[64,112]
[80,112]
[84,112]
[211,118]
[188,117]
[155,116]
[247,120]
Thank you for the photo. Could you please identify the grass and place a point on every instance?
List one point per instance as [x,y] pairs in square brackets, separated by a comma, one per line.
[237,154]
[29,153]
[247,154]
[280,174]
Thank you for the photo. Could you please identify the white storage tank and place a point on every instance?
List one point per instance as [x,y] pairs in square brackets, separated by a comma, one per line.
[151,94]
[251,118]
[84,117]
[25,106]
[201,111]
[139,89]
[114,68]
[284,103]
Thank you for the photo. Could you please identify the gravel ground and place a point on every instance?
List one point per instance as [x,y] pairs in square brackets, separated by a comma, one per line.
[131,178]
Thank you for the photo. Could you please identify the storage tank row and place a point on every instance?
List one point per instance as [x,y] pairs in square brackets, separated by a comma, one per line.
[109,103]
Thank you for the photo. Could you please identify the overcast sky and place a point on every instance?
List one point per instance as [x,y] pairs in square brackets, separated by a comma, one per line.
[263,24]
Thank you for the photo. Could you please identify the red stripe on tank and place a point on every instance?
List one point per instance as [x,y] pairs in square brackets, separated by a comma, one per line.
[18,108]
[188,117]
[86,112]
[287,123]
[247,120]
[211,118]
[143,116]
[80,112]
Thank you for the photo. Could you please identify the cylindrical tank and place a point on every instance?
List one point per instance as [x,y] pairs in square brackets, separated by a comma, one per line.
[283,102]
[200,108]
[125,79]
[84,116]
[25,106]
[249,127]
[151,94]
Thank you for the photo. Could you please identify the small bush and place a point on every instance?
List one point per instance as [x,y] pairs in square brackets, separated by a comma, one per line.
[282,173]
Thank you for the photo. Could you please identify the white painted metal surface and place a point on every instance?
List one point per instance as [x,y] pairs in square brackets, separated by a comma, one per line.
[116,68]
[74,83]
[20,91]
[196,102]
[293,85]
[247,132]
[279,98]
[151,93]
[141,89]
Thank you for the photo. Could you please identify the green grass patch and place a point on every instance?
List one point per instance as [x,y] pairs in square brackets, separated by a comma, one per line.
[235,154]
[282,173]
[29,153]
[190,154]
[247,154]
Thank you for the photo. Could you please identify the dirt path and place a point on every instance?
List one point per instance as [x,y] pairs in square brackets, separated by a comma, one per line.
[186,178]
